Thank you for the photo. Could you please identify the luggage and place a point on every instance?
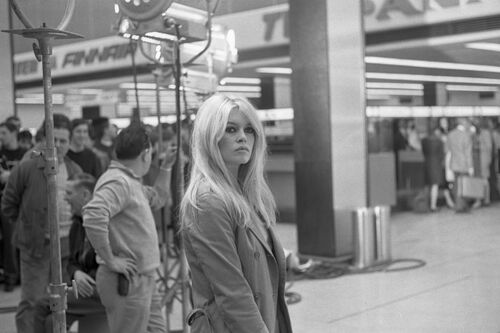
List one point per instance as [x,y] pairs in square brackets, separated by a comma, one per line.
[471,187]
[421,202]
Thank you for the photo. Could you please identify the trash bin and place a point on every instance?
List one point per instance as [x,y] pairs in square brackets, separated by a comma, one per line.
[382,234]
[364,237]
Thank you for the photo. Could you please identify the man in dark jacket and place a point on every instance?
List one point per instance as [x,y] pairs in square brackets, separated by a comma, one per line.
[82,265]
[24,202]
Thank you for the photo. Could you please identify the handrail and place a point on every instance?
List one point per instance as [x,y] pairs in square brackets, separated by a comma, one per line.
[68,13]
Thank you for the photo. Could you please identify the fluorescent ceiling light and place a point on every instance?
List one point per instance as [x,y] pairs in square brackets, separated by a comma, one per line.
[431,78]
[239,80]
[484,46]
[274,70]
[397,92]
[239,88]
[141,85]
[389,85]
[431,64]
[456,87]
[377,97]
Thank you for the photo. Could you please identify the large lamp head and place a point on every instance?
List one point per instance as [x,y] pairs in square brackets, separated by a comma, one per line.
[143,10]
[157,18]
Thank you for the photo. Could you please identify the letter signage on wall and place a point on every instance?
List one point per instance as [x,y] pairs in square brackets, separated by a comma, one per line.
[268,26]
[96,55]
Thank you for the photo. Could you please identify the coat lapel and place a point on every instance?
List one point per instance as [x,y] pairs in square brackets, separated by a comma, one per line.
[258,234]
[279,255]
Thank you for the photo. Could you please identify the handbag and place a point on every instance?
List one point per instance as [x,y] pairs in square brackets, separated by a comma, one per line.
[471,187]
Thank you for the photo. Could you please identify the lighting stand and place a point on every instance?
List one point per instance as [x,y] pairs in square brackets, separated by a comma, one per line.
[43,50]
[175,277]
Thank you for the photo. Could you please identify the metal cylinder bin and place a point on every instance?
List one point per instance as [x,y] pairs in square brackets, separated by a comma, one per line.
[382,233]
[364,238]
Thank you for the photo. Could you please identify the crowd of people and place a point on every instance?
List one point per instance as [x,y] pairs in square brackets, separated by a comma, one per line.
[458,158]
[109,235]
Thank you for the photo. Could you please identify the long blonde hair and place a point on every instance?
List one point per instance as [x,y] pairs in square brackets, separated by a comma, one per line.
[242,197]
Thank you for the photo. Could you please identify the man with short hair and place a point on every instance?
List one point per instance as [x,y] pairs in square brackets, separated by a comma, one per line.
[10,155]
[24,201]
[120,225]
[78,151]
[104,136]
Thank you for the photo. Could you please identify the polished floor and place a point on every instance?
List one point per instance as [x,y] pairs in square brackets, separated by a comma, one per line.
[457,291]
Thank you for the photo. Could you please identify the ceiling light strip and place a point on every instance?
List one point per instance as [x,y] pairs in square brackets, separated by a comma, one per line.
[431,78]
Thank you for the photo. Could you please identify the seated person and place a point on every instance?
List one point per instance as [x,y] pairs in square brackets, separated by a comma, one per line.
[82,264]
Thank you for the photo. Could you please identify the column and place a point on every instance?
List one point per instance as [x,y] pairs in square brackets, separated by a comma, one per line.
[327,55]
[6,63]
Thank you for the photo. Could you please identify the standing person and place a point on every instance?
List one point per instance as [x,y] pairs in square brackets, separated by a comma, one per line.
[104,134]
[460,147]
[120,225]
[78,151]
[24,201]
[228,217]
[25,139]
[434,153]
[82,264]
[484,140]
[10,155]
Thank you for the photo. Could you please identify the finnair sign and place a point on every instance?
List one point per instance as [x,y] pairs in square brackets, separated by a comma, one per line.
[96,55]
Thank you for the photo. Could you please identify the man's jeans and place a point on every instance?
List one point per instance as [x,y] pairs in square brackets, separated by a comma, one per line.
[35,277]
[139,311]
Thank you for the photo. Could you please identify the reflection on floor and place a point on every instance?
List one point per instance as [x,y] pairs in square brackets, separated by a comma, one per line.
[457,291]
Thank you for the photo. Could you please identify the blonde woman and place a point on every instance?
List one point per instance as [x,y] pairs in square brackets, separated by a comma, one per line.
[228,217]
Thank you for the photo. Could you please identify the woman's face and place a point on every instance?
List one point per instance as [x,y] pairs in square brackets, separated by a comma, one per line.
[236,145]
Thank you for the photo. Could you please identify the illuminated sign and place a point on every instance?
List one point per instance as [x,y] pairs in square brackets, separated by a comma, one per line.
[269,26]
[96,55]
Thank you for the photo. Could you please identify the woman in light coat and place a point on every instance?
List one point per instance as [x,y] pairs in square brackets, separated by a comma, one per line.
[228,216]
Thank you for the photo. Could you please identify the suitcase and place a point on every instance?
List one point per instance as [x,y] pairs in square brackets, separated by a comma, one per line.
[471,187]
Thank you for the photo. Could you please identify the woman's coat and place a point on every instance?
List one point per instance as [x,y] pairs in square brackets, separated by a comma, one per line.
[238,279]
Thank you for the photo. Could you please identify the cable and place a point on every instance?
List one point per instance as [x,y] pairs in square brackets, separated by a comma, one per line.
[209,35]
[134,73]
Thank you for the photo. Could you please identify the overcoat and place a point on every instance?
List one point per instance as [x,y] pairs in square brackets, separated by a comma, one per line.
[238,277]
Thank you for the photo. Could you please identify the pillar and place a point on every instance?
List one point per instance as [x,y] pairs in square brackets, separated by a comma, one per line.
[327,56]
[6,63]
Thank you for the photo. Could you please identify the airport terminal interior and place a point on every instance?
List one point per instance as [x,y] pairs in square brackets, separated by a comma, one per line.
[361,102]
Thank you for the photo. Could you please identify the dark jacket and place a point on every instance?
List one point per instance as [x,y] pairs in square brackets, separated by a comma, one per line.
[24,202]
[238,278]
[82,254]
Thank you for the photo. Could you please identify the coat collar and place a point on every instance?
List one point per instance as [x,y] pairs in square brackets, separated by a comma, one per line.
[258,234]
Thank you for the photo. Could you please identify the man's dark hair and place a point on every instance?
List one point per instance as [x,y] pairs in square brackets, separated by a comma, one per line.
[13,120]
[99,126]
[10,127]
[25,135]
[131,142]
[77,122]
[60,122]
[84,180]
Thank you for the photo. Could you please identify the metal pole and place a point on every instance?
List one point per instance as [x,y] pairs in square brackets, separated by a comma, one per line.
[57,287]
[180,182]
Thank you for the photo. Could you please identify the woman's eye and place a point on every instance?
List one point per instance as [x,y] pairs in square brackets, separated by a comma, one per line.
[249,130]
[230,129]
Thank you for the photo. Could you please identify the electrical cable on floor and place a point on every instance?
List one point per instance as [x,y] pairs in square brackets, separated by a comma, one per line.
[320,270]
